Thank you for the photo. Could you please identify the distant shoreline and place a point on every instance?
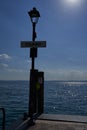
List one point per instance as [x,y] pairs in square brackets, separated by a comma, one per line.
[48,80]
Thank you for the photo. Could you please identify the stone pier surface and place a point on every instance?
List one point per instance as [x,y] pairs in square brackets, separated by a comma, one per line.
[57,125]
[60,122]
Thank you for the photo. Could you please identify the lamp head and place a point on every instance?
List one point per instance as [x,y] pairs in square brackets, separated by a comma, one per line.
[34,15]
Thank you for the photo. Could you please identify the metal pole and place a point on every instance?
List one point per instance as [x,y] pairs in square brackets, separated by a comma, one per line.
[33,53]
[33,39]
[34,33]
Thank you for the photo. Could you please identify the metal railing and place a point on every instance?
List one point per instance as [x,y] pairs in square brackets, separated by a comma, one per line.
[3,119]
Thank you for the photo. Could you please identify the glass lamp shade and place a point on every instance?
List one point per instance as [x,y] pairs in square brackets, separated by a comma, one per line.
[34,20]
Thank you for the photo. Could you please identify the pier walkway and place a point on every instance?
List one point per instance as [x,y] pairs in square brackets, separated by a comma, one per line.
[57,125]
[60,122]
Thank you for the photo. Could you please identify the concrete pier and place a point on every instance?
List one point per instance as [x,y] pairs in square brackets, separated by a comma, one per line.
[57,125]
[60,122]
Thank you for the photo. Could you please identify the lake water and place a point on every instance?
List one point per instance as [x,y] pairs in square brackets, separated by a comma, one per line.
[59,98]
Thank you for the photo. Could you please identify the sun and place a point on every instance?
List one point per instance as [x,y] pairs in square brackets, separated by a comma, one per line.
[72,1]
[72,5]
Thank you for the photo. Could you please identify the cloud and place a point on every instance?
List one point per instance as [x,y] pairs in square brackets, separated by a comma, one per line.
[28,61]
[66,74]
[16,70]
[3,66]
[4,56]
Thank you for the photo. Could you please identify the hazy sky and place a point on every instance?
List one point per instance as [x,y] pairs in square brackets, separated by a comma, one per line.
[63,24]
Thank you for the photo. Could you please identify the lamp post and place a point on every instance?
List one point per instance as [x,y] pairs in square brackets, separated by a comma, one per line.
[36,93]
[34,16]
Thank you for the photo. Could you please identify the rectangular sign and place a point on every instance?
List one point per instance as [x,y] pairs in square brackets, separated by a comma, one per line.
[30,44]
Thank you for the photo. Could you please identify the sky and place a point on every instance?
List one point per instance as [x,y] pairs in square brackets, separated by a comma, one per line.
[63,25]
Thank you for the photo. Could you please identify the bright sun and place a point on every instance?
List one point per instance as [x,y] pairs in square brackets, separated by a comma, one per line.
[73,1]
[72,4]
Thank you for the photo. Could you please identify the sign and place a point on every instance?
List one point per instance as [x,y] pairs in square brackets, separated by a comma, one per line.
[31,44]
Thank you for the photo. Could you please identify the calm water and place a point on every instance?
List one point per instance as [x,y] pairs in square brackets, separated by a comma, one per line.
[60,97]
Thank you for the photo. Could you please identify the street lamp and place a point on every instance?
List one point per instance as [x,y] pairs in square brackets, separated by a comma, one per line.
[34,16]
[36,94]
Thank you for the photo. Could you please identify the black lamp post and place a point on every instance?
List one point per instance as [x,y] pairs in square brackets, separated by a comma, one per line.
[34,16]
[36,94]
